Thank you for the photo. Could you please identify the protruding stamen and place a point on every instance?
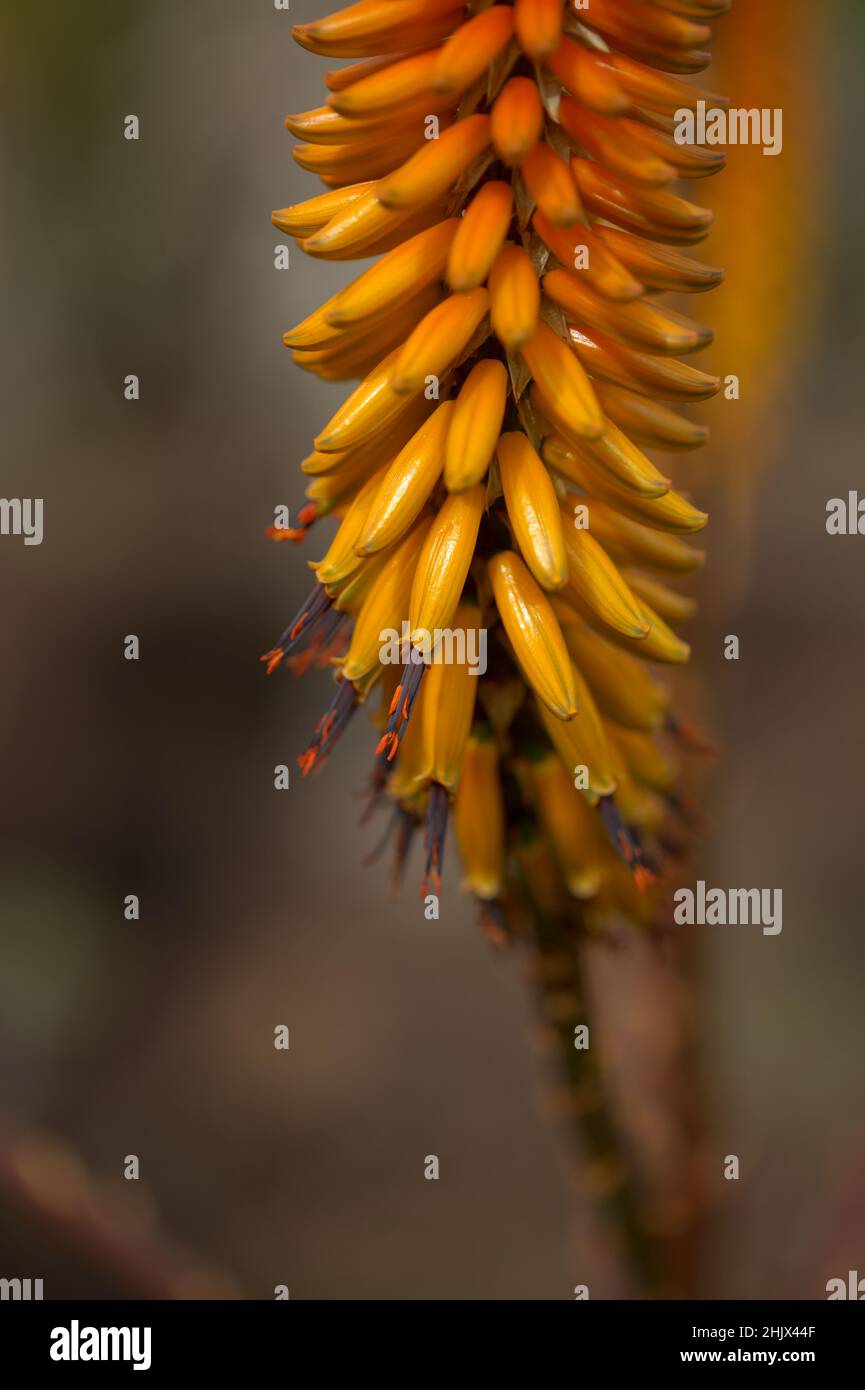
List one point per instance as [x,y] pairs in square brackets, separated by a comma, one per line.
[301,625]
[329,641]
[377,783]
[273,659]
[626,842]
[401,707]
[643,877]
[387,747]
[405,831]
[491,920]
[378,850]
[401,828]
[329,728]
[436,827]
[304,519]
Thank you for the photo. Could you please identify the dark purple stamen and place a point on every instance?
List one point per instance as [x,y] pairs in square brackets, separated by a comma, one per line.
[329,727]
[436,827]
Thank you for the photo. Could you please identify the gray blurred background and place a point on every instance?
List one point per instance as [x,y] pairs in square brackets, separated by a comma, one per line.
[154,1037]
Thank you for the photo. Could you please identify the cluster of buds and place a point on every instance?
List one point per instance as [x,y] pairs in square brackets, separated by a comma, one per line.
[517,172]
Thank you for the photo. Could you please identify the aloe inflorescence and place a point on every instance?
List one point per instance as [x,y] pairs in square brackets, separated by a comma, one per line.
[515,169]
[518,172]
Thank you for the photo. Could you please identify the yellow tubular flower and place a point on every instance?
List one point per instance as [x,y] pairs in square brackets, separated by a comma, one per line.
[534,634]
[581,745]
[646,760]
[596,582]
[613,453]
[438,341]
[368,229]
[572,826]
[316,330]
[648,422]
[517,120]
[397,277]
[533,510]
[436,166]
[377,90]
[551,186]
[539,27]
[625,691]
[450,689]
[652,31]
[481,233]
[470,51]
[660,267]
[479,818]
[668,604]
[562,384]
[667,512]
[305,218]
[584,249]
[444,562]
[349,595]
[625,538]
[641,324]
[475,424]
[337,79]
[324,126]
[515,297]
[585,75]
[362,158]
[377,449]
[355,227]
[335,491]
[380,26]
[646,210]
[355,350]
[383,607]
[406,486]
[660,643]
[513,173]
[341,560]
[614,146]
[636,371]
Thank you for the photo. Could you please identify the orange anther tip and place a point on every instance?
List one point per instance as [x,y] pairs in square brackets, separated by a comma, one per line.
[625,846]
[643,878]
[273,659]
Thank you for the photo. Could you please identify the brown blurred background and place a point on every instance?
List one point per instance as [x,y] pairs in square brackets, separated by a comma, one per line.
[155,1037]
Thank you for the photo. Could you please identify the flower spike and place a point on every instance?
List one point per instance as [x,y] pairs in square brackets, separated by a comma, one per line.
[502,588]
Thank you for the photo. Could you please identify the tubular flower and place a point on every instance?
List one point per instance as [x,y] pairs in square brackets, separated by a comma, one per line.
[515,169]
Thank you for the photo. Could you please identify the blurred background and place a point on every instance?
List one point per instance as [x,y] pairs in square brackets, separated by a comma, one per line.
[154,1037]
